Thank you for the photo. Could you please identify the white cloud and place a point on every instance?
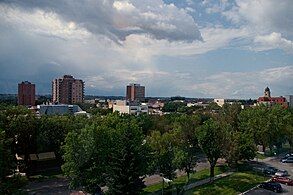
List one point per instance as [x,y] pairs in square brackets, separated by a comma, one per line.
[272,41]
[241,84]
[41,22]
[123,6]
[114,19]
[264,16]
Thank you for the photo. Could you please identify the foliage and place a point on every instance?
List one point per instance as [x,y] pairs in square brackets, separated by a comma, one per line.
[6,157]
[212,139]
[162,146]
[13,185]
[268,126]
[112,153]
[173,106]
[186,142]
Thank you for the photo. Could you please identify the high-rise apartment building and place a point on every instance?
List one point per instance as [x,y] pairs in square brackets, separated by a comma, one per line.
[135,92]
[67,90]
[26,93]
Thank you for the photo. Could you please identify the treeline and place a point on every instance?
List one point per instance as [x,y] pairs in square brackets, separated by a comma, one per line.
[118,151]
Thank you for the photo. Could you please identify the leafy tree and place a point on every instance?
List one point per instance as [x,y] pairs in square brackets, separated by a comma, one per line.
[22,129]
[173,106]
[162,146]
[256,122]
[240,146]
[6,157]
[129,159]
[186,142]
[112,153]
[212,138]
[267,125]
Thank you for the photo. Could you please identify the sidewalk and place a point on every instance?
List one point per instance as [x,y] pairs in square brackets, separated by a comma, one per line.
[205,181]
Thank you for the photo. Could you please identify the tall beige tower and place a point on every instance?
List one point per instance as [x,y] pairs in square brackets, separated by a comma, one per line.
[67,90]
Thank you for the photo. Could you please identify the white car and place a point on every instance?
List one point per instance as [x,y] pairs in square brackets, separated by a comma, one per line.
[281,173]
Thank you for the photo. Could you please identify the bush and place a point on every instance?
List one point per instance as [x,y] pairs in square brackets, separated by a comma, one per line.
[13,185]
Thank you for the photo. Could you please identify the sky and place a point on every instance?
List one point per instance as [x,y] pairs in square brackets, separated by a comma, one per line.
[192,48]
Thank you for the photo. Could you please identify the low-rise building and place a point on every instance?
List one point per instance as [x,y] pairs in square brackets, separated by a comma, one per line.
[58,109]
[220,102]
[269,101]
[289,99]
[127,108]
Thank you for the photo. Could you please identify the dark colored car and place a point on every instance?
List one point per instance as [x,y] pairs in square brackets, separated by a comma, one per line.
[287,160]
[273,186]
[270,170]
[283,180]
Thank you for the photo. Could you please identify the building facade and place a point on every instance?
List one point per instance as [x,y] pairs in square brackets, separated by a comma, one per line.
[67,90]
[26,94]
[220,102]
[131,109]
[135,92]
[289,99]
[269,101]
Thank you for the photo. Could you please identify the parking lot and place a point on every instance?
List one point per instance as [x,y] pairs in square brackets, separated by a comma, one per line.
[275,162]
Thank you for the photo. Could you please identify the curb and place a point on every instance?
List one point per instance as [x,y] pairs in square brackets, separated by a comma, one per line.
[243,193]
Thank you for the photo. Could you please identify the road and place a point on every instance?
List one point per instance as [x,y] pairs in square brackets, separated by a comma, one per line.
[60,185]
[275,162]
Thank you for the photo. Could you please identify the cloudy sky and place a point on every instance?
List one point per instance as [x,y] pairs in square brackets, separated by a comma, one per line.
[194,48]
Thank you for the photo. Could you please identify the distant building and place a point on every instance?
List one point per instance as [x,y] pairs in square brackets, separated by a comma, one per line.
[268,100]
[220,102]
[26,94]
[59,109]
[289,99]
[135,92]
[67,90]
[126,108]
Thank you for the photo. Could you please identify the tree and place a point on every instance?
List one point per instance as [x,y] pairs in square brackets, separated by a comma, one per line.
[129,159]
[22,130]
[212,139]
[256,122]
[7,163]
[186,142]
[111,153]
[240,146]
[267,125]
[162,146]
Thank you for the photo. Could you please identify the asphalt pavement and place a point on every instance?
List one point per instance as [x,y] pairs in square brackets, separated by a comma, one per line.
[275,162]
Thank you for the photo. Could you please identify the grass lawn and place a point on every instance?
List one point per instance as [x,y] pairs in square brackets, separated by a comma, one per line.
[260,156]
[181,181]
[233,184]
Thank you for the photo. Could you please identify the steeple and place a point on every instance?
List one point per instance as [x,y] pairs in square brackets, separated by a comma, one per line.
[267,92]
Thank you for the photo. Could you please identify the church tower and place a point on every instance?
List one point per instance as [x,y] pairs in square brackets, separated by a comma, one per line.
[267,92]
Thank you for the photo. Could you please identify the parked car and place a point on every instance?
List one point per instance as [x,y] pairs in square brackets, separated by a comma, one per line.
[288,154]
[270,170]
[287,160]
[283,180]
[281,173]
[273,186]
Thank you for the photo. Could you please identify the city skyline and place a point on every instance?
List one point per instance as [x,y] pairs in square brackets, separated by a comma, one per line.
[225,49]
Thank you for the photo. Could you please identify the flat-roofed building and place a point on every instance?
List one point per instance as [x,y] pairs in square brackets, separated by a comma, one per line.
[67,90]
[135,92]
[26,94]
